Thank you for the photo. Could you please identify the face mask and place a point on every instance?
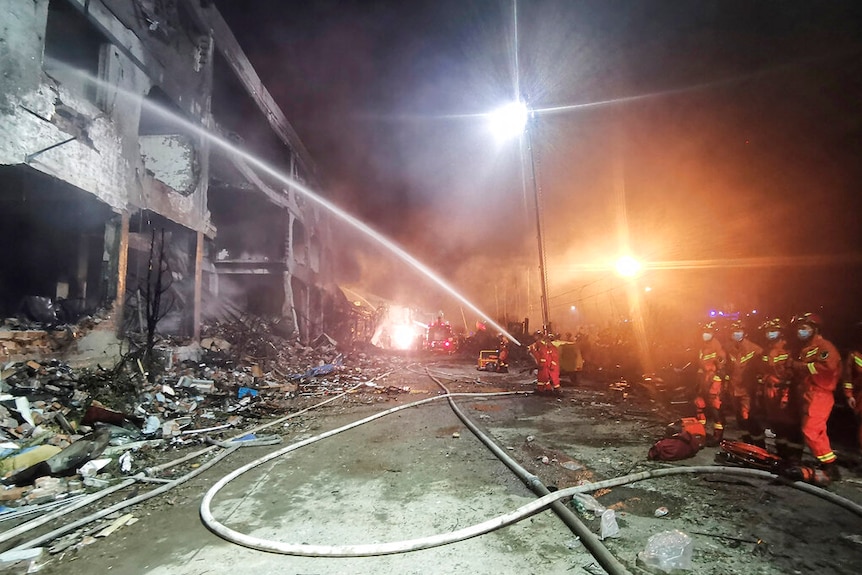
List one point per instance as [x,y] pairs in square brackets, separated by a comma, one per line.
[738,335]
[707,336]
[772,335]
[805,333]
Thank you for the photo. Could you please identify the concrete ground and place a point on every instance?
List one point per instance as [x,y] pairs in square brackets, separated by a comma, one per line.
[420,472]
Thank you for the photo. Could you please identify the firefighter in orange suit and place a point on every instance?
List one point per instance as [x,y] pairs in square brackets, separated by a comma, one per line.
[742,358]
[818,367]
[711,363]
[548,361]
[853,379]
[539,352]
[503,354]
[777,400]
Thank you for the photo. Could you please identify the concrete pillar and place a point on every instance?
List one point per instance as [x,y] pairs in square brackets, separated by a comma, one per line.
[199,258]
[122,269]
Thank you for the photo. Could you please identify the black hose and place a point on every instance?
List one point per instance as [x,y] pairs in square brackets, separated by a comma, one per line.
[604,557]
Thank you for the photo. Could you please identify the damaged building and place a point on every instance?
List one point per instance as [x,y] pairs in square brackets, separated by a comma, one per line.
[107,173]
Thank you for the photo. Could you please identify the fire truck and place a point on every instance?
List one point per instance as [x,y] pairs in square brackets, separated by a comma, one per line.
[440,338]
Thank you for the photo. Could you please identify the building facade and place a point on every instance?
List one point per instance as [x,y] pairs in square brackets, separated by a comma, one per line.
[134,131]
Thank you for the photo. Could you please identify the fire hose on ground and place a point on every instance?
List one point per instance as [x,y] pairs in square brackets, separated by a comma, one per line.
[366,550]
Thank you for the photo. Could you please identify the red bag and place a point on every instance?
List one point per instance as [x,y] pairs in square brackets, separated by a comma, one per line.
[680,446]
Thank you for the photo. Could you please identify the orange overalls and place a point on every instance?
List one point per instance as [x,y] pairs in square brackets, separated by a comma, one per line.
[711,363]
[743,357]
[778,401]
[503,355]
[853,383]
[539,351]
[819,366]
[548,360]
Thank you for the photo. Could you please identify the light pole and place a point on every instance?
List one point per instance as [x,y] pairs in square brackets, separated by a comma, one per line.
[507,122]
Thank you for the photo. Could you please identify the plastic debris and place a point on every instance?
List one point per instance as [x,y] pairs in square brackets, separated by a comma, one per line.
[92,467]
[609,524]
[661,512]
[126,462]
[667,551]
[587,505]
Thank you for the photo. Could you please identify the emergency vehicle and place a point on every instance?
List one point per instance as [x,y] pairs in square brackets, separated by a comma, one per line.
[440,338]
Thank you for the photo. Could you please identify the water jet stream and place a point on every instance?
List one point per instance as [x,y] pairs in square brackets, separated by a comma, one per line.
[305,191]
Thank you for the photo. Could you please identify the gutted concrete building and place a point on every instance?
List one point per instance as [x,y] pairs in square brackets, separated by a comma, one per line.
[107,164]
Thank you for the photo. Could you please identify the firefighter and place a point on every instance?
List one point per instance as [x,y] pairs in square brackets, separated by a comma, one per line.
[777,400]
[547,359]
[742,356]
[503,354]
[539,353]
[818,368]
[853,379]
[711,363]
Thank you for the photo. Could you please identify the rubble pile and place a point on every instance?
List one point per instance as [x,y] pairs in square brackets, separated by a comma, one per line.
[45,327]
[66,431]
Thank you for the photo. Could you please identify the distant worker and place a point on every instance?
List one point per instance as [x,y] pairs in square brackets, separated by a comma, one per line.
[853,380]
[777,401]
[553,365]
[743,356]
[818,368]
[711,363]
[503,354]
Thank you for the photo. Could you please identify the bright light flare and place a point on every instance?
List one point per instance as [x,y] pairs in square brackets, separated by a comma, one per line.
[509,121]
[628,267]
[404,336]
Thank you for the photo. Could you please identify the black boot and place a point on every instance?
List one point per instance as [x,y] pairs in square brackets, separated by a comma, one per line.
[831,471]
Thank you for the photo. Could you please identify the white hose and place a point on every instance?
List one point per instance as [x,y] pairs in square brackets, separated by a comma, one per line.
[367,550]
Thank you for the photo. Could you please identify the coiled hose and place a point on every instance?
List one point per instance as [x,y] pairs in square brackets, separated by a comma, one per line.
[367,550]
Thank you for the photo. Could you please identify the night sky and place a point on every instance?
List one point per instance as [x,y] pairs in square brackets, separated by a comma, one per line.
[719,140]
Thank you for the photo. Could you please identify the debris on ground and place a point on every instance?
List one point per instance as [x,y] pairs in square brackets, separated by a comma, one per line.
[68,431]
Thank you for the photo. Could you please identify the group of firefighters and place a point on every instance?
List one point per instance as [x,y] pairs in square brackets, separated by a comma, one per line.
[790,393]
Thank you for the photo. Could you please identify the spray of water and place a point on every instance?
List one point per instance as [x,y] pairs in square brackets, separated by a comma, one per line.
[253,160]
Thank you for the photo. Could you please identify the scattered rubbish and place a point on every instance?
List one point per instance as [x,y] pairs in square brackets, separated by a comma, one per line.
[151,425]
[92,467]
[57,421]
[571,465]
[22,405]
[119,522]
[545,460]
[126,462]
[661,512]
[609,524]
[587,505]
[573,543]
[9,558]
[667,551]
[456,435]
